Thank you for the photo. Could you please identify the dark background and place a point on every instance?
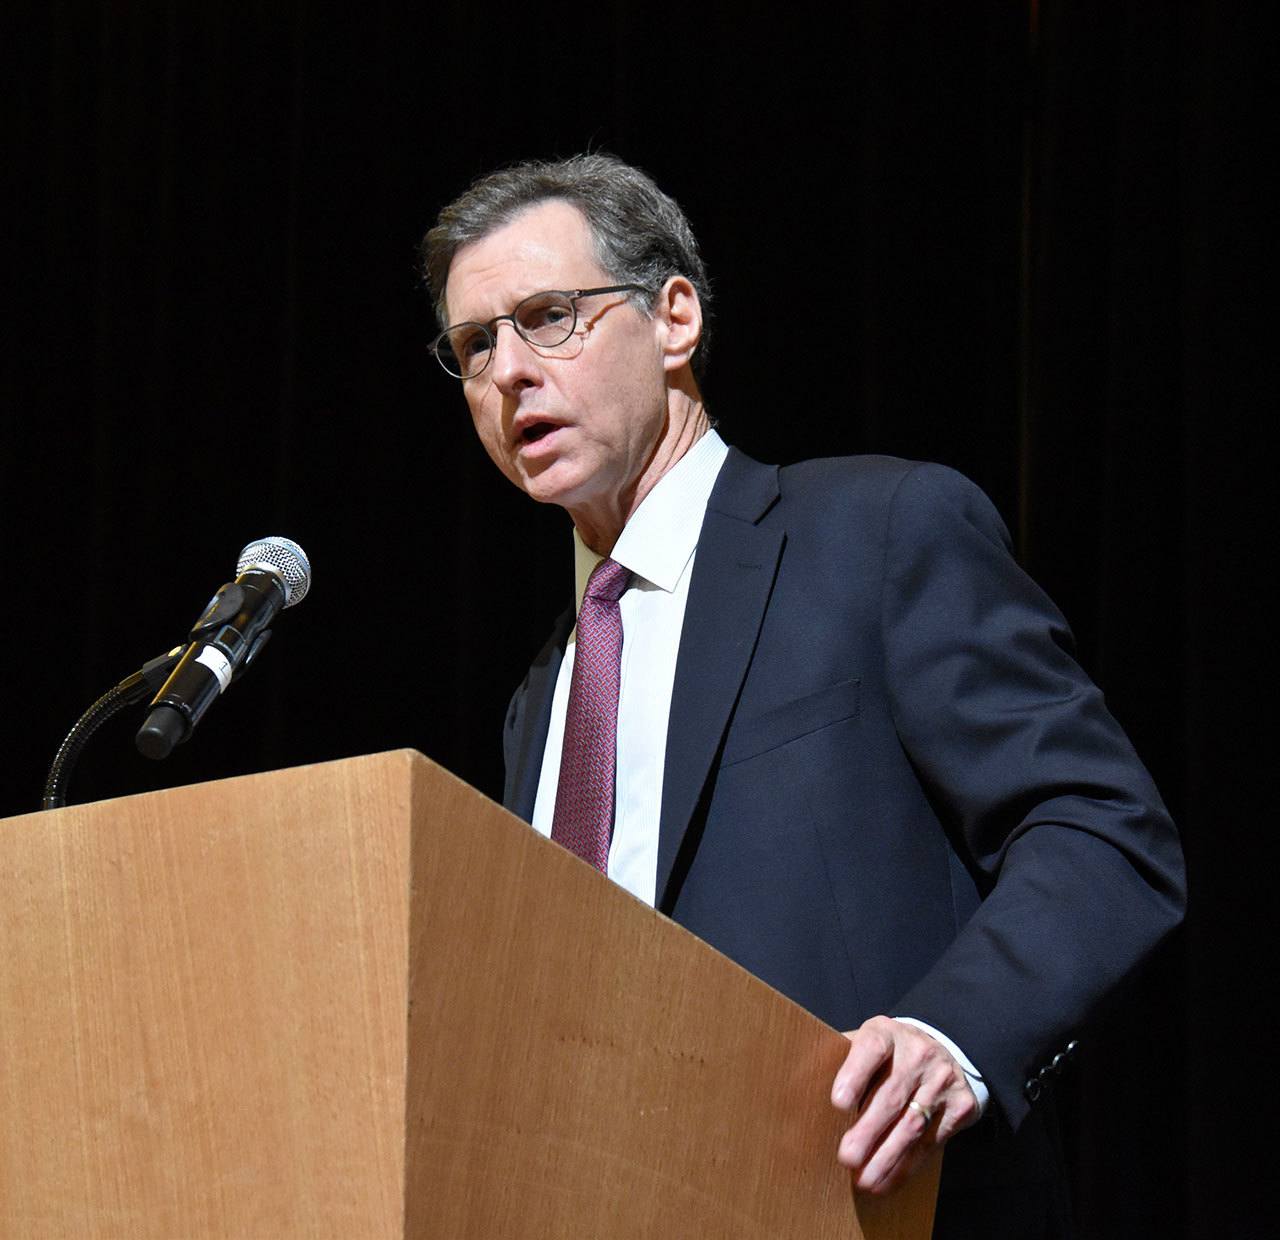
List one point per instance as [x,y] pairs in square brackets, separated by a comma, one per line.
[1020,239]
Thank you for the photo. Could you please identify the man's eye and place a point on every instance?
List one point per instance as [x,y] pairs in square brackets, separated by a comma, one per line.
[471,345]
[551,313]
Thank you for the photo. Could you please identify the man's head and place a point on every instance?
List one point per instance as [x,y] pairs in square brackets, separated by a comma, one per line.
[593,418]
[640,234]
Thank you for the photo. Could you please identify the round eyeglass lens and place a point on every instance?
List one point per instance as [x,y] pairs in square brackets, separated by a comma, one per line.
[464,350]
[545,319]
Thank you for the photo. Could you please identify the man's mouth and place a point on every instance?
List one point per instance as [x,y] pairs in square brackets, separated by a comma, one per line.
[532,429]
[535,431]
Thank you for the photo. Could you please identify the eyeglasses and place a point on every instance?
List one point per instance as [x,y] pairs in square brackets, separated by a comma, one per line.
[544,320]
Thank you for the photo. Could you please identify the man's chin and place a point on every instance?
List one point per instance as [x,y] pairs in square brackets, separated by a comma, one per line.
[553,483]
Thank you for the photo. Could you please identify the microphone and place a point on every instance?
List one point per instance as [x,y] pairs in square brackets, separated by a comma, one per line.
[271,574]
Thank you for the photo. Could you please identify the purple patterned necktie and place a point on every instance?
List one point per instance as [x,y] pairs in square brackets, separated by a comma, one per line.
[583,820]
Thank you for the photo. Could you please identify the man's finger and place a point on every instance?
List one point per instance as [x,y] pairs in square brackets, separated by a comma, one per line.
[947,1095]
[887,1118]
[896,1156]
[870,1050]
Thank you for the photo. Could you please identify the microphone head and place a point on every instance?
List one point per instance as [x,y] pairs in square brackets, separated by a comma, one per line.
[283,557]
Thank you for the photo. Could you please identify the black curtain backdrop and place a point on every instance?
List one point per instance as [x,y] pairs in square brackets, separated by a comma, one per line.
[1021,239]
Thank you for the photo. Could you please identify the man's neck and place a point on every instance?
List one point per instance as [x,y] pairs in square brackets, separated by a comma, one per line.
[600,529]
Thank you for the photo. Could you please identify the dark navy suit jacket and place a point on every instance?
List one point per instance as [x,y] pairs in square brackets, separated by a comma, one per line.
[889,788]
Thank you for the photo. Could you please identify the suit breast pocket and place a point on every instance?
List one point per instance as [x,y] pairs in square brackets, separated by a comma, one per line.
[748,738]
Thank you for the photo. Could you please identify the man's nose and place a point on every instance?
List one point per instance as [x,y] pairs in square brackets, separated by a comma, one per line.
[515,364]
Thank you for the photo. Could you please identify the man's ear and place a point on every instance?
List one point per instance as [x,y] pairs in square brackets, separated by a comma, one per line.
[679,315]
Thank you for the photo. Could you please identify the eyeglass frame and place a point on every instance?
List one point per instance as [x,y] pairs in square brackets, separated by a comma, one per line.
[490,329]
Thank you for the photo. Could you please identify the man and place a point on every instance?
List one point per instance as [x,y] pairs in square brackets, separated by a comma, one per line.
[851,748]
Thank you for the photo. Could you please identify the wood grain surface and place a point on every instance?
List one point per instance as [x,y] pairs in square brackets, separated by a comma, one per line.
[203,998]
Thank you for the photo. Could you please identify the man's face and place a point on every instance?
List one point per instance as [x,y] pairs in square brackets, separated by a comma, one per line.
[578,424]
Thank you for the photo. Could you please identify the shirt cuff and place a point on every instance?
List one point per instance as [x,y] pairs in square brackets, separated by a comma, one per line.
[971,1074]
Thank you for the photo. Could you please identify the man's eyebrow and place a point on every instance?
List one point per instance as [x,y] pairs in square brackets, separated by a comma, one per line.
[515,301]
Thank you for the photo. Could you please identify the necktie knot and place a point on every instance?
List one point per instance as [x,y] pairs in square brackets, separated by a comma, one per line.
[608,582]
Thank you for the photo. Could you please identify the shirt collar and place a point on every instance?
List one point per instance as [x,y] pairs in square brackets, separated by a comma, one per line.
[662,535]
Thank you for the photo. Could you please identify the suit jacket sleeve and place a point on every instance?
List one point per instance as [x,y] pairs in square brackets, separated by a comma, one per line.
[1048,803]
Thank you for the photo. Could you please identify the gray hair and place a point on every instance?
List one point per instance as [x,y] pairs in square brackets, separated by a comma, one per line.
[641,235]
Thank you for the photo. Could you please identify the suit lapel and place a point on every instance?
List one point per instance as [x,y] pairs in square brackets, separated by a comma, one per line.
[733,575]
[529,721]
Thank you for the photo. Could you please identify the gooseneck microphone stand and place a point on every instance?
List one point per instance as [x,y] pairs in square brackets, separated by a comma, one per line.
[131,691]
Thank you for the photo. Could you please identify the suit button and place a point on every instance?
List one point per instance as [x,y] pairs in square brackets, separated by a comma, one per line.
[1071,1047]
[1032,1089]
[1059,1062]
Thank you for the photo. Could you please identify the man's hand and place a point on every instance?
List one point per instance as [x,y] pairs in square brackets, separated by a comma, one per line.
[907,1095]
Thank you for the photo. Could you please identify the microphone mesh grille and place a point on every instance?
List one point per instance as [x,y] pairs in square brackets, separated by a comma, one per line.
[286,559]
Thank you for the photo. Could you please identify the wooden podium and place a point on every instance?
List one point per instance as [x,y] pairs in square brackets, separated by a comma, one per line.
[361,1000]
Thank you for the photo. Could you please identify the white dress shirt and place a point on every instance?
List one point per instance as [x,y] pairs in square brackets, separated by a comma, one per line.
[658,545]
